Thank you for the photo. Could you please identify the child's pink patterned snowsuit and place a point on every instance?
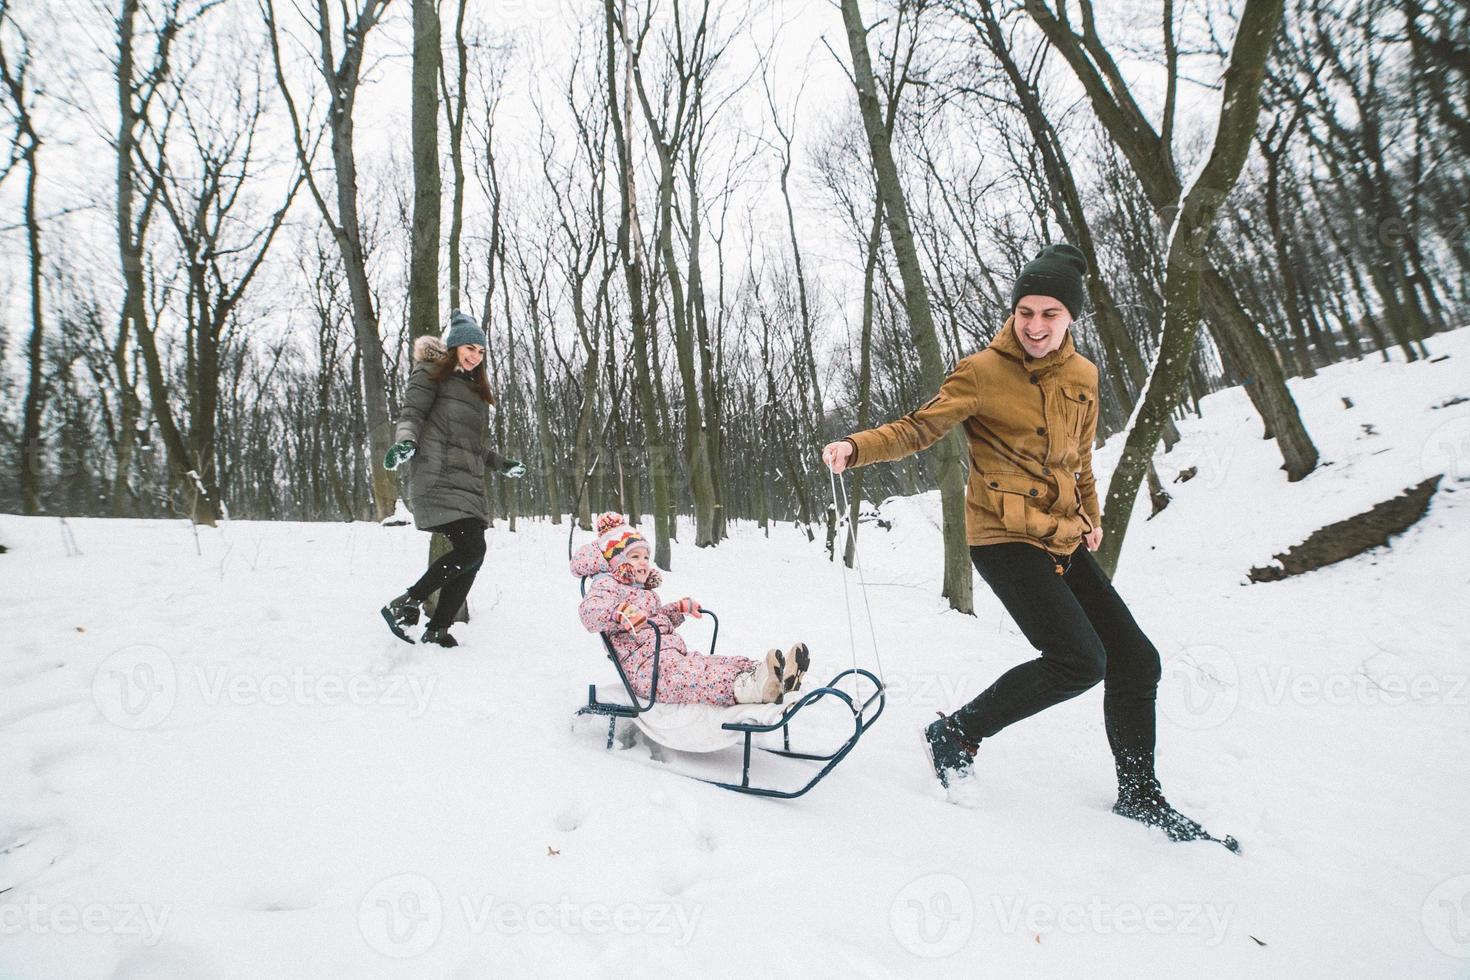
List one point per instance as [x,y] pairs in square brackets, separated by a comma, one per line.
[683,677]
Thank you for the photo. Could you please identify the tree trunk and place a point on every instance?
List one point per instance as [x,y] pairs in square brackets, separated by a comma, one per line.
[865,373]
[1188,242]
[1265,382]
[950,452]
[31,460]
[423,266]
[131,237]
[630,249]
[543,409]
[341,82]
[454,110]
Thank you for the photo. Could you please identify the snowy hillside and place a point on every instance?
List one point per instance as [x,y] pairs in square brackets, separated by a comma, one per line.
[218,763]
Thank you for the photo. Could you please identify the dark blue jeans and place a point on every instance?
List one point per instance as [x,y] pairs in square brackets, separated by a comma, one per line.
[1085,634]
[453,574]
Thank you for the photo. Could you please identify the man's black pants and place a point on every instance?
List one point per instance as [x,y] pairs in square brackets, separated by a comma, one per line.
[1085,634]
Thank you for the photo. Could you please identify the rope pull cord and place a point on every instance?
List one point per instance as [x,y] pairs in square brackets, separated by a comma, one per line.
[841,503]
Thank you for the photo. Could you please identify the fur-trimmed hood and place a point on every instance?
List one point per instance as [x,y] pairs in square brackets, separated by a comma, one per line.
[428,349]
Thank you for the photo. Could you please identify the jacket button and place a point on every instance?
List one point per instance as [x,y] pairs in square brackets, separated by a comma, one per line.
[1033,491]
[1082,397]
[1041,430]
[1045,471]
[1076,476]
[994,484]
[1034,379]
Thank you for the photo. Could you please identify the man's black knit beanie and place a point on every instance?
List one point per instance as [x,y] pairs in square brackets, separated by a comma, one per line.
[1057,272]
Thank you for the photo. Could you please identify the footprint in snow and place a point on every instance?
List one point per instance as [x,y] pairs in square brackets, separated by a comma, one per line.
[26,853]
[689,812]
[40,706]
[282,898]
[172,961]
[66,766]
[26,669]
[570,817]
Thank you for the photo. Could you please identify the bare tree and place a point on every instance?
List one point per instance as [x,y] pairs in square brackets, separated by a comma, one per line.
[1154,163]
[423,267]
[950,452]
[630,250]
[690,61]
[578,188]
[456,101]
[14,71]
[341,76]
[204,191]
[137,93]
[1194,208]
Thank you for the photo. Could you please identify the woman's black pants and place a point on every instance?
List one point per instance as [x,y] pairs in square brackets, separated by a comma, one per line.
[453,574]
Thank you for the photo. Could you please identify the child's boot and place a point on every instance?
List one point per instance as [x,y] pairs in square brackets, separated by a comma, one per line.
[794,664]
[761,684]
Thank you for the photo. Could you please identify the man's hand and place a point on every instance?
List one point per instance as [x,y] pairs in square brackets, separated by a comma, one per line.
[836,455]
[399,453]
[1093,539]
[688,606]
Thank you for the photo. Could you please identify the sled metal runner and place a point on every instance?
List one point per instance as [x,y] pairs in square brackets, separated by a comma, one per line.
[862,719]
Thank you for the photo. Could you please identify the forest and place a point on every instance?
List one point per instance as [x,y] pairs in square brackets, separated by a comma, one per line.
[703,238]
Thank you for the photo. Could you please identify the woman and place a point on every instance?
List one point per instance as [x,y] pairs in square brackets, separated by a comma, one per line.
[445,430]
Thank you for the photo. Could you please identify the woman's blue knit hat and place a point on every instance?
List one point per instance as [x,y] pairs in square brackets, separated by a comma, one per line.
[463,330]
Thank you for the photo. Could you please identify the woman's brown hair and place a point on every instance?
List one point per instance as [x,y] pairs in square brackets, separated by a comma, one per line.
[449,363]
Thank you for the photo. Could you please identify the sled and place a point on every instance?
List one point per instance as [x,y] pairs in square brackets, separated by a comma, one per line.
[742,732]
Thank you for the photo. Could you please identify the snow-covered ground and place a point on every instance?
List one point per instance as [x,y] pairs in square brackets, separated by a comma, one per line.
[216,762]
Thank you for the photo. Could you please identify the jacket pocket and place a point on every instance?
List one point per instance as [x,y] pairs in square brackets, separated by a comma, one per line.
[424,471]
[1076,401]
[1011,496]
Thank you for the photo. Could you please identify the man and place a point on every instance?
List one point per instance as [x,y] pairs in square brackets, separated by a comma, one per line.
[1028,403]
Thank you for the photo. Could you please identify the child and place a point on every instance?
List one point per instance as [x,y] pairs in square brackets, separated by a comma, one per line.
[621,603]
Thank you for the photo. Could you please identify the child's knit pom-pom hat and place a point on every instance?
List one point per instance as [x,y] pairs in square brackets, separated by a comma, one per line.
[615,539]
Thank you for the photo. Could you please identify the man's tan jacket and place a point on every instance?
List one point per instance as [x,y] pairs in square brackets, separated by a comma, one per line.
[1030,424]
